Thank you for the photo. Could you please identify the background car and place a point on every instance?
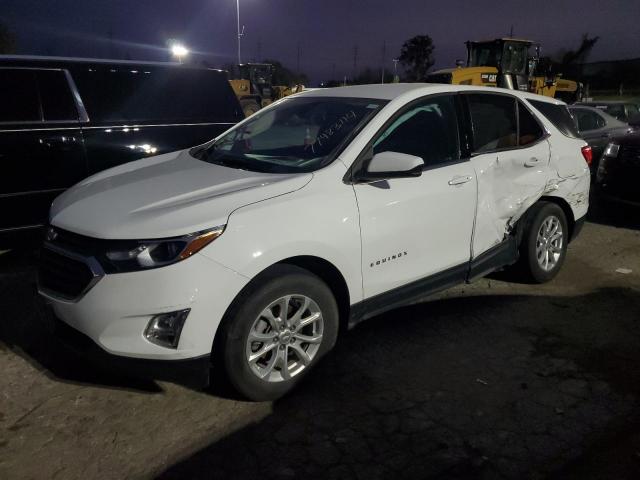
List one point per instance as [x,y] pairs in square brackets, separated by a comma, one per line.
[621,110]
[597,128]
[619,170]
[62,120]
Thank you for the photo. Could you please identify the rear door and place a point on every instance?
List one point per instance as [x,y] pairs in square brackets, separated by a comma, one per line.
[41,147]
[511,160]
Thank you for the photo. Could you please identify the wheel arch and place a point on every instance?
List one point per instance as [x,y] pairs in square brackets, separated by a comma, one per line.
[330,275]
[566,208]
[320,267]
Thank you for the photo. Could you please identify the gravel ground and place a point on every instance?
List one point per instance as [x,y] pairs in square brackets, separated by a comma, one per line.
[489,380]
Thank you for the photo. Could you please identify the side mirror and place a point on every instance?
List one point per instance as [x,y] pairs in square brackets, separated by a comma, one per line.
[634,121]
[387,165]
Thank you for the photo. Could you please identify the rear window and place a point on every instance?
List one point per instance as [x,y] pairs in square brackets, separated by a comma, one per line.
[146,94]
[558,115]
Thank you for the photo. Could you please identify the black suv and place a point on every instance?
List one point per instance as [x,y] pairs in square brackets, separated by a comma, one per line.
[619,170]
[62,120]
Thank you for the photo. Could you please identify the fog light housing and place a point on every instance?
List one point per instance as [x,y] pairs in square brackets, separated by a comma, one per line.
[164,329]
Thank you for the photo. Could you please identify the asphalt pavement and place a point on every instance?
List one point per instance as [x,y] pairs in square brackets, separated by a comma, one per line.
[496,379]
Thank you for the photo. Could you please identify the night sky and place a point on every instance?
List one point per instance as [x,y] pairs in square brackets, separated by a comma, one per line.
[325,32]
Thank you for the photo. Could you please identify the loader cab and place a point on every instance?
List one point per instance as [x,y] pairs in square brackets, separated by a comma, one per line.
[509,56]
[259,75]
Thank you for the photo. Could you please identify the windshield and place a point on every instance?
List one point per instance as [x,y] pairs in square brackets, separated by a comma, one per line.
[297,135]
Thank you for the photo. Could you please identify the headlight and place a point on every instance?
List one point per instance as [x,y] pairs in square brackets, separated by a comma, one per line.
[145,254]
[612,150]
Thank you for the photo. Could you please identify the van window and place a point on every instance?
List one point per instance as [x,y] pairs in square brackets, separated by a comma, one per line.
[493,118]
[559,116]
[146,94]
[18,96]
[428,130]
[55,95]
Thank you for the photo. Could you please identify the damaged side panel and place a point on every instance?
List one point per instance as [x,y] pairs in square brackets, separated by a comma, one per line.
[511,181]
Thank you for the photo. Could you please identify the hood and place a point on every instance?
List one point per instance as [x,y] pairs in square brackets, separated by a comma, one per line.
[164,196]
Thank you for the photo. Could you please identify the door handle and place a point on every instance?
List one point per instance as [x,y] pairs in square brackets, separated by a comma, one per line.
[459,180]
[532,162]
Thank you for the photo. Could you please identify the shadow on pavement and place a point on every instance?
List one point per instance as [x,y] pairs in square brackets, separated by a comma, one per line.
[26,329]
[614,214]
[473,387]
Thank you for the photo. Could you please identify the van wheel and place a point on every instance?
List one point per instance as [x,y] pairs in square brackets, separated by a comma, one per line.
[282,326]
[544,244]
[249,107]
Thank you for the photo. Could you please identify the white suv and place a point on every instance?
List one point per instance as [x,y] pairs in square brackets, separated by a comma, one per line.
[249,252]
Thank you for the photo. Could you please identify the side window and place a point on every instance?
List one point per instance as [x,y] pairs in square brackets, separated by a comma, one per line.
[494,122]
[588,120]
[529,130]
[428,130]
[19,96]
[55,94]
[616,111]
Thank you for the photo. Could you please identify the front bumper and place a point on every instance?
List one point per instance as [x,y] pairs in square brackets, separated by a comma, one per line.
[192,372]
[116,310]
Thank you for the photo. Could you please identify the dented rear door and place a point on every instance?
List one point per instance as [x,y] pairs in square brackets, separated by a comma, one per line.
[511,160]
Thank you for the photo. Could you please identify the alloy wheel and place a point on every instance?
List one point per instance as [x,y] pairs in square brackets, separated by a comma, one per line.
[285,338]
[549,243]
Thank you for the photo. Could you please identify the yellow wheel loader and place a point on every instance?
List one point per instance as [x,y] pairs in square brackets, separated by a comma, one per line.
[254,88]
[505,63]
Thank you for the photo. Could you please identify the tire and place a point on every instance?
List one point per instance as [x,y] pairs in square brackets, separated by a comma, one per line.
[542,253]
[249,107]
[256,311]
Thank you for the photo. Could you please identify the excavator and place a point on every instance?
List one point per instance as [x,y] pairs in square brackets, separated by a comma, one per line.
[505,63]
[254,88]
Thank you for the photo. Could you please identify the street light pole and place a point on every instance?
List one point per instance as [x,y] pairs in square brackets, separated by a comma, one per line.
[239,34]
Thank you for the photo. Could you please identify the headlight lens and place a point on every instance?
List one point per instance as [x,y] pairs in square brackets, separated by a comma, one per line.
[144,254]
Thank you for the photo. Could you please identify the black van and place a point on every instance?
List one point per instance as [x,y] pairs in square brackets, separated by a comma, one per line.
[62,120]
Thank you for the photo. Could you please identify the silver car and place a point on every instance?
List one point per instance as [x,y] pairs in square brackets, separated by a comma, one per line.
[597,127]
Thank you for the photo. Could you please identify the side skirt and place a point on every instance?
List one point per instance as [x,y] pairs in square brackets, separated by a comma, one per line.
[497,257]
[407,294]
[502,255]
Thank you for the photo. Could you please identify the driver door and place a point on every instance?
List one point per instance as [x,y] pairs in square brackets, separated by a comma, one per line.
[414,228]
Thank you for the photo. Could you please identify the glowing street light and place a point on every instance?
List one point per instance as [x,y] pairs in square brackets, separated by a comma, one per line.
[179,51]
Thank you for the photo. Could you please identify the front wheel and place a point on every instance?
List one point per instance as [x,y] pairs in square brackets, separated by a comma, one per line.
[544,244]
[281,326]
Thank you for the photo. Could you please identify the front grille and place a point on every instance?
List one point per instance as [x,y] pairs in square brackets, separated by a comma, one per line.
[63,276]
[76,243]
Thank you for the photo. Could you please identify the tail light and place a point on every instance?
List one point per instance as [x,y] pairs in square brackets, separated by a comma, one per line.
[587,153]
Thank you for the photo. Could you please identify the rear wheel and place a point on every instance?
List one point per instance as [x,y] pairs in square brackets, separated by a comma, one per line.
[249,107]
[281,327]
[544,244]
